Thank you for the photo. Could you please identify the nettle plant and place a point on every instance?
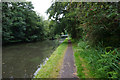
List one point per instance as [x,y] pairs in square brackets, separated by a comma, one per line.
[109,63]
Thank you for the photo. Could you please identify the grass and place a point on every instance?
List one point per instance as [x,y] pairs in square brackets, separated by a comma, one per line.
[95,61]
[53,65]
[83,68]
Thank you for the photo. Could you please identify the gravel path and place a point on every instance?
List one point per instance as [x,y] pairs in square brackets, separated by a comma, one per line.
[68,68]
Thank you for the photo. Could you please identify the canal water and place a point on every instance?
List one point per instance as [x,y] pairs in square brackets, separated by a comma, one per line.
[23,60]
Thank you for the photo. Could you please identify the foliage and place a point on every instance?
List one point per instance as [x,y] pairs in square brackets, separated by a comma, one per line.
[20,23]
[83,69]
[96,23]
[104,63]
[99,22]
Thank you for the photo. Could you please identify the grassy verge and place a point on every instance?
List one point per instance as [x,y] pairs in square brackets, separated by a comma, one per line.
[83,68]
[96,62]
[53,65]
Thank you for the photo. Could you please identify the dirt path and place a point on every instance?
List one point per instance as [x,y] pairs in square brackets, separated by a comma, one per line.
[68,68]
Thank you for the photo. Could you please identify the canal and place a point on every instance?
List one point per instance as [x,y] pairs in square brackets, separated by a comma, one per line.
[23,60]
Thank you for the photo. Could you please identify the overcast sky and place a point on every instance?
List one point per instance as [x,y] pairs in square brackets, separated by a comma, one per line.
[41,6]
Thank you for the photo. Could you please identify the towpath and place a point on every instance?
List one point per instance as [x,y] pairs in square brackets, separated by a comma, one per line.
[68,68]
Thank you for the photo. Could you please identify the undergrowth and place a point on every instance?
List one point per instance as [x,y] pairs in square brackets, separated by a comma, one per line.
[102,62]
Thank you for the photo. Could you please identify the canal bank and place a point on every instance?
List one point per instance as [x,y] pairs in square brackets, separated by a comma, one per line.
[53,66]
[22,60]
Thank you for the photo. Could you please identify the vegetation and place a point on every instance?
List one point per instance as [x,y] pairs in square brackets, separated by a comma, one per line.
[21,24]
[53,65]
[96,22]
[99,62]
[83,68]
[95,28]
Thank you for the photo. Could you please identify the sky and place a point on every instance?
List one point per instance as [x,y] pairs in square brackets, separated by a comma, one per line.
[41,6]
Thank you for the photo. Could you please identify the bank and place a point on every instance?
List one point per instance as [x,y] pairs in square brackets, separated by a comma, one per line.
[95,62]
[53,65]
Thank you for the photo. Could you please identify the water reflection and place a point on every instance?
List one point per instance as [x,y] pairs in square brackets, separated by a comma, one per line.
[22,60]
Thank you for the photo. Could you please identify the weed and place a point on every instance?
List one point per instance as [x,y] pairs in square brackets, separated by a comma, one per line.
[102,63]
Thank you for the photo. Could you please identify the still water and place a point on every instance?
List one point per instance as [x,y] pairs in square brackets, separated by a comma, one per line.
[23,60]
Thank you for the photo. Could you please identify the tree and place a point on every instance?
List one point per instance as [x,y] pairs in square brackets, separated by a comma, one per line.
[21,23]
[97,21]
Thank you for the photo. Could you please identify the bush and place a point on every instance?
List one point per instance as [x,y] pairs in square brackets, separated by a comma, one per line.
[104,62]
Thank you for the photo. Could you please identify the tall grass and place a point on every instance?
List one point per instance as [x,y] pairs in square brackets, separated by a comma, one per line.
[104,63]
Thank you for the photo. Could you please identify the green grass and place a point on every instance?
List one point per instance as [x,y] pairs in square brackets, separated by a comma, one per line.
[101,64]
[53,65]
[78,66]
[83,68]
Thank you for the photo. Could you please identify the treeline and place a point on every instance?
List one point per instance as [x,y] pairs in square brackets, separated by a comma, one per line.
[97,23]
[21,24]
[95,31]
